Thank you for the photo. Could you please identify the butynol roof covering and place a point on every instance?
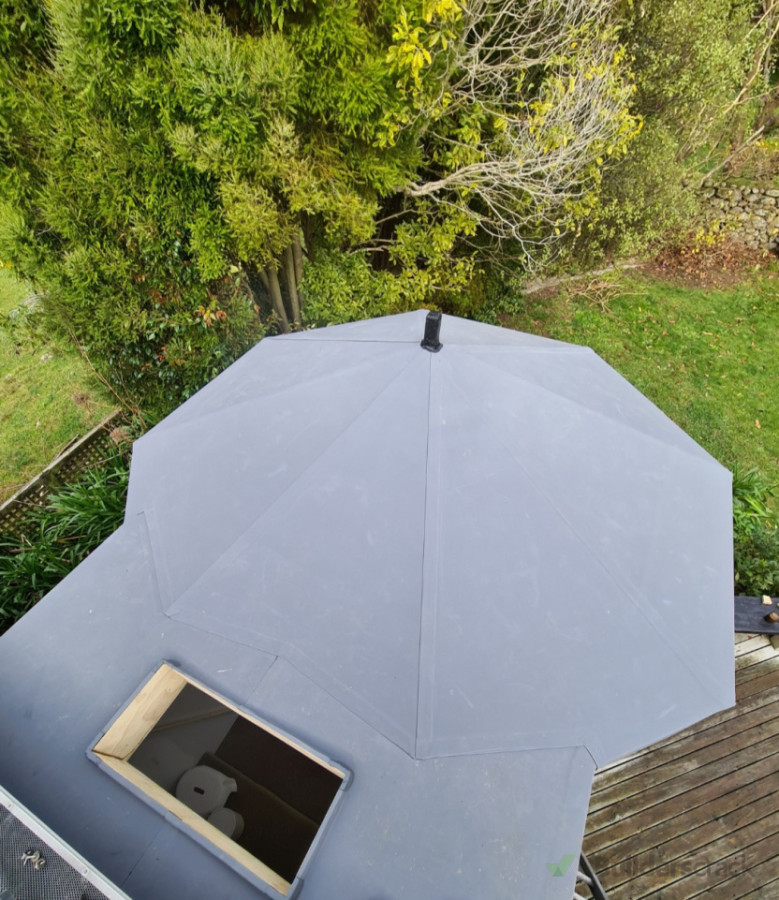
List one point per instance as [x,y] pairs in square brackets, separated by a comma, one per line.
[472,576]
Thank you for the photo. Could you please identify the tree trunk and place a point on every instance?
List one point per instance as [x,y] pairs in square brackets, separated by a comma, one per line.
[276,298]
[257,283]
[307,226]
[297,255]
[294,301]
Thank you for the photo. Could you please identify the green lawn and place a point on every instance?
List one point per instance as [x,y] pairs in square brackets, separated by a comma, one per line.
[48,395]
[708,358]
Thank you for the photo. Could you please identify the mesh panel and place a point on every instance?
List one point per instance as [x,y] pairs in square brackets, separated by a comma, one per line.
[56,880]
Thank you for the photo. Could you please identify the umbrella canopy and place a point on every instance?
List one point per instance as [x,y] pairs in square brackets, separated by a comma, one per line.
[499,546]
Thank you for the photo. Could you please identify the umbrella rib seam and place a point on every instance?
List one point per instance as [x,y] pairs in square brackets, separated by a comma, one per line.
[422,561]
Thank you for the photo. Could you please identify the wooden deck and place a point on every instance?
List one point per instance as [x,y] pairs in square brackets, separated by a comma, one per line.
[698,814]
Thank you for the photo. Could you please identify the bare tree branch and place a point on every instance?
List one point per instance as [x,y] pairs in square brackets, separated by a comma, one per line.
[541,76]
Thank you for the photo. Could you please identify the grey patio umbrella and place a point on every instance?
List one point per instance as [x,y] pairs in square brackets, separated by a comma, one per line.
[497,546]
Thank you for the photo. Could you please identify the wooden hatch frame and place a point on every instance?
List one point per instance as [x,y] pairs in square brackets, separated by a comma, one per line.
[134,724]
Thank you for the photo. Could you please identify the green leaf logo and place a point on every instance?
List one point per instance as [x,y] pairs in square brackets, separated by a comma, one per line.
[559,869]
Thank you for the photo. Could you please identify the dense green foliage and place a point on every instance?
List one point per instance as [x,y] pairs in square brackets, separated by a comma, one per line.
[96,214]
[755,534]
[57,537]
[756,561]
[697,92]
[344,287]
[167,169]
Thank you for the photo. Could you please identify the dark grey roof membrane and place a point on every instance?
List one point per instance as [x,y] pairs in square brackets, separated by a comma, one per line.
[469,576]
[447,542]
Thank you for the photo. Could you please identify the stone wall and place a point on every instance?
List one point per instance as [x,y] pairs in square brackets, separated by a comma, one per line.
[751,214]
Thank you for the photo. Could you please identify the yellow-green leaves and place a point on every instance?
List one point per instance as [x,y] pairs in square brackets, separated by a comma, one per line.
[416,37]
[408,54]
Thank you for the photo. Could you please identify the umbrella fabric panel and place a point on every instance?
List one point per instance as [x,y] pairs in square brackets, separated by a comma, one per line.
[331,576]
[203,483]
[343,599]
[467,576]
[614,514]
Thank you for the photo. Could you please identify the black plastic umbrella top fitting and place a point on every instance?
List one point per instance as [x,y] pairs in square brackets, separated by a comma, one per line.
[432,331]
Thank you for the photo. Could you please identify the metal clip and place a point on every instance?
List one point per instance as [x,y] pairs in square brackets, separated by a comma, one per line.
[34,856]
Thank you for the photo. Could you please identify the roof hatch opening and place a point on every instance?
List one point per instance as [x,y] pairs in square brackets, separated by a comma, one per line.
[251,791]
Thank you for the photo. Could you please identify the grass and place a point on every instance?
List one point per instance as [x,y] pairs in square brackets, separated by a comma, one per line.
[48,395]
[707,358]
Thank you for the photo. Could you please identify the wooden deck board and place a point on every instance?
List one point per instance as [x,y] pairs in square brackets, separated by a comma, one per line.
[694,764]
[754,712]
[744,661]
[665,832]
[740,638]
[700,837]
[764,892]
[698,813]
